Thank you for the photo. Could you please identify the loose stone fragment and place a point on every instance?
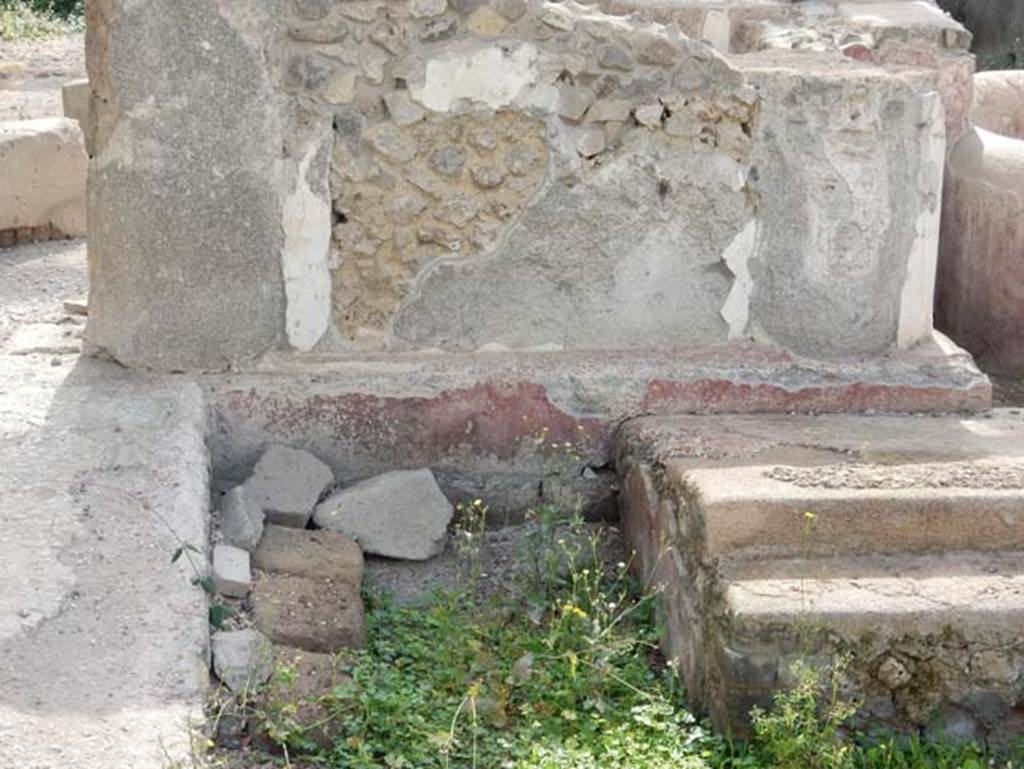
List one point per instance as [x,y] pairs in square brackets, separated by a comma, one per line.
[231,574]
[242,659]
[401,514]
[241,519]
[286,483]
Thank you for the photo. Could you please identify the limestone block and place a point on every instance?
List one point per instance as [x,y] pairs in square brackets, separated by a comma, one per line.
[43,167]
[231,574]
[242,659]
[401,514]
[286,484]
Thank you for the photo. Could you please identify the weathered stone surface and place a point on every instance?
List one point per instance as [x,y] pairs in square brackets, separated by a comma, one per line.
[242,659]
[232,576]
[876,580]
[43,165]
[317,615]
[401,514]
[241,519]
[192,114]
[981,275]
[76,98]
[286,484]
[316,554]
[739,213]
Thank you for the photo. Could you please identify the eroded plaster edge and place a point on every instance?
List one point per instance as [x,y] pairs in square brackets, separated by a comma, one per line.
[736,309]
[306,222]
[916,297]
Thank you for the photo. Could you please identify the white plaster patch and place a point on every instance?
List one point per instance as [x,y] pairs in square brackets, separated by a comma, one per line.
[306,220]
[736,310]
[494,76]
[916,297]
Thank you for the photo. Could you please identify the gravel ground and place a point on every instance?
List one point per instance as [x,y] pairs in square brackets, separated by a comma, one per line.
[32,73]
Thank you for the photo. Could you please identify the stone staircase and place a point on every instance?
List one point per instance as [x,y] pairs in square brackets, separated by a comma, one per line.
[889,546]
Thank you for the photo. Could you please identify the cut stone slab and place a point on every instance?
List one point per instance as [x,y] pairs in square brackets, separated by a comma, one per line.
[286,483]
[783,538]
[241,520]
[315,554]
[232,576]
[317,615]
[242,659]
[43,165]
[401,514]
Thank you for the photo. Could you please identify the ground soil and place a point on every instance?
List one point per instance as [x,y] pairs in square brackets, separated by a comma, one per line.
[33,71]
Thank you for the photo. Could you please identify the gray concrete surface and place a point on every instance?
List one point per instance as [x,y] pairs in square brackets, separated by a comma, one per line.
[103,642]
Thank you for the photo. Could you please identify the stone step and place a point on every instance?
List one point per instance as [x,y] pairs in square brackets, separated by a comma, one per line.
[930,641]
[910,569]
[770,486]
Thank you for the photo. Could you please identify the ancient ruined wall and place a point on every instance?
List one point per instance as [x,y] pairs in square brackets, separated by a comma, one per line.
[421,174]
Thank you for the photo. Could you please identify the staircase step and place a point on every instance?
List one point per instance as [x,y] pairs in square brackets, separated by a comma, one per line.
[910,568]
[788,485]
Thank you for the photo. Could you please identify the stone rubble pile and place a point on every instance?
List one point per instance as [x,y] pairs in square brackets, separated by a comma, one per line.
[290,560]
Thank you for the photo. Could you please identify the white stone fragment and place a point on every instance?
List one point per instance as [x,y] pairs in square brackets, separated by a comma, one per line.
[232,575]
[401,514]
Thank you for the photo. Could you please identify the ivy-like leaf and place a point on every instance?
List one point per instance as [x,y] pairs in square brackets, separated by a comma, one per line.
[219,614]
[177,554]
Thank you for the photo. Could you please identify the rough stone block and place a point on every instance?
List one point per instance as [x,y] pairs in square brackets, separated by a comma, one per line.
[241,519]
[286,483]
[242,659]
[316,554]
[313,614]
[43,166]
[232,576]
[401,514]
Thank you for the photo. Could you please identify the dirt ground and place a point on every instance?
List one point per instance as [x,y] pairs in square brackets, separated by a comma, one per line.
[32,73]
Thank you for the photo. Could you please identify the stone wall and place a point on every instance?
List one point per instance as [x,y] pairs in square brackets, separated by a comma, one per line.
[417,175]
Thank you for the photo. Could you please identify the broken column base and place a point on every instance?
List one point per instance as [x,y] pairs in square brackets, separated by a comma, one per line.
[889,549]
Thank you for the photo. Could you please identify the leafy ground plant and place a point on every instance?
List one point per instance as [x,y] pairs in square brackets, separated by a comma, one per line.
[21,20]
[563,675]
